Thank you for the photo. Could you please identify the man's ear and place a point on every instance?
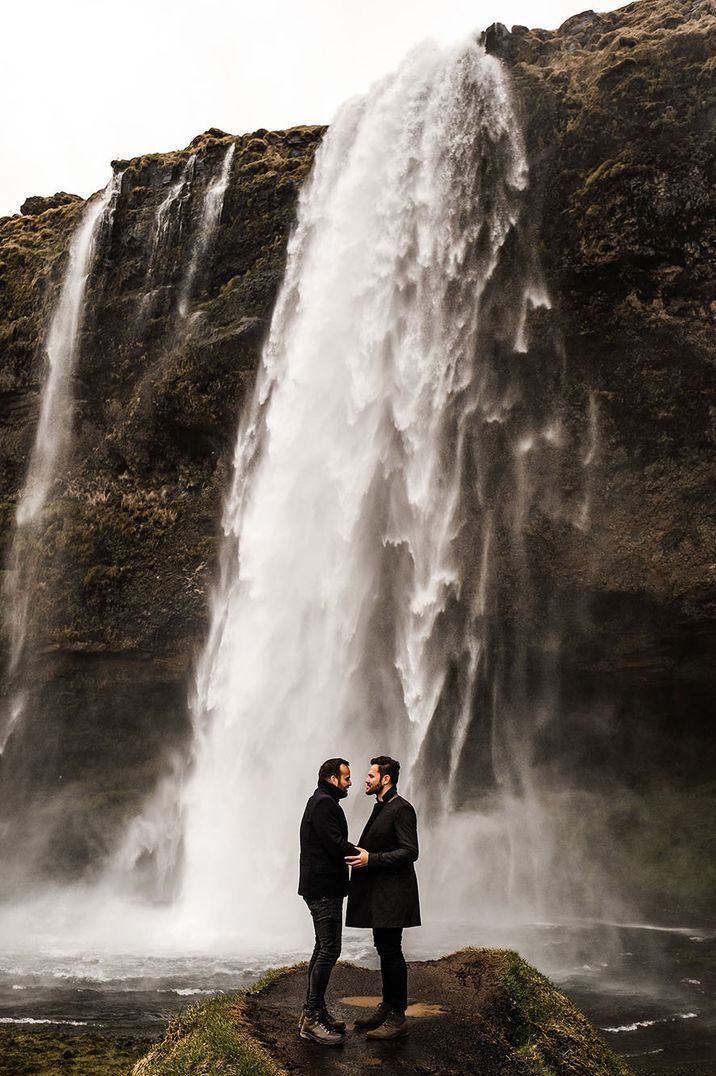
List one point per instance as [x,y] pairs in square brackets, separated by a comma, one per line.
[333,780]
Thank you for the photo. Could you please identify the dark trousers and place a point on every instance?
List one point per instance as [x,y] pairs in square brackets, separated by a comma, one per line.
[327,915]
[393,969]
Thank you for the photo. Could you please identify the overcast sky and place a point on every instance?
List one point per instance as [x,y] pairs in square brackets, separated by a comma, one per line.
[85,81]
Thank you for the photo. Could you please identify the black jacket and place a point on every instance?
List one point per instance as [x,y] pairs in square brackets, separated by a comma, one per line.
[324,843]
[385,893]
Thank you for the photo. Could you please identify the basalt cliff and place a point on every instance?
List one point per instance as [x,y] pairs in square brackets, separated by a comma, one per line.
[618,113]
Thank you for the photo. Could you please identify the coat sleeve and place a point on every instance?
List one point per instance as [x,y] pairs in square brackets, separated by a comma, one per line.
[406,833]
[328,831]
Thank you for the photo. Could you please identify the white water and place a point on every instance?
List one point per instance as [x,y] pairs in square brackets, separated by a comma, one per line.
[359,565]
[54,425]
[53,430]
[210,216]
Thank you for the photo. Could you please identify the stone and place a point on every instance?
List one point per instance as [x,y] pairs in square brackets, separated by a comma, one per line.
[40,203]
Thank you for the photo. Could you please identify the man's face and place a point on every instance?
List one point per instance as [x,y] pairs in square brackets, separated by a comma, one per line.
[373,782]
[344,781]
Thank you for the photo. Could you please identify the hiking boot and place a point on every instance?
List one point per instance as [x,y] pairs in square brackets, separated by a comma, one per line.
[393,1027]
[314,1027]
[328,1019]
[373,1019]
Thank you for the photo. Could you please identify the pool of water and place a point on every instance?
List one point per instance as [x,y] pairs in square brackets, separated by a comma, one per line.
[650,991]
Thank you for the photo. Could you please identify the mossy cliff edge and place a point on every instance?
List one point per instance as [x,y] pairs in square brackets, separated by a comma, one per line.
[479,1010]
[618,113]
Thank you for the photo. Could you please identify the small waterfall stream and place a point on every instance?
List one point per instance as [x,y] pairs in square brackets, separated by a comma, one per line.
[53,432]
[168,217]
[210,217]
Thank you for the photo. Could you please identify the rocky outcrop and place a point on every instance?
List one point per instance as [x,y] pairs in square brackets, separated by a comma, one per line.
[38,203]
[477,1011]
[618,111]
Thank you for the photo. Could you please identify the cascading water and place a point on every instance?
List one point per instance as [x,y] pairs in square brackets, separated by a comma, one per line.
[375,590]
[210,216]
[168,217]
[52,435]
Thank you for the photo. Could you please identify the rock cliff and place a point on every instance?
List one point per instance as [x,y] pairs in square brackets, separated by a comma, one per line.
[618,111]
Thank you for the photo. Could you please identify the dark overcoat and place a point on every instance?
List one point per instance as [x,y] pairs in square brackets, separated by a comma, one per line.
[324,844]
[385,893]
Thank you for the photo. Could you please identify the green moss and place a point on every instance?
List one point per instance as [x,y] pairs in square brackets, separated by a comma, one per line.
[606,170]
[45,1053]
[212,1037]
[551,1035]
[101,573]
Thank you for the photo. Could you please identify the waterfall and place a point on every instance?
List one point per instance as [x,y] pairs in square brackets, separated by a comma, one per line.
[377,591]
[53,431]
[210,216]
[168,217]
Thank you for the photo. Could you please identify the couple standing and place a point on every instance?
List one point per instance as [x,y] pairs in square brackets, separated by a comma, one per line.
[382,892]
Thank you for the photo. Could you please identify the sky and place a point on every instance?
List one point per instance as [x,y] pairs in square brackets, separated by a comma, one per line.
[85,81]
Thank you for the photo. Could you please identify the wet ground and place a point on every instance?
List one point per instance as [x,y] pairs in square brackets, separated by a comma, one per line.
[443,1039]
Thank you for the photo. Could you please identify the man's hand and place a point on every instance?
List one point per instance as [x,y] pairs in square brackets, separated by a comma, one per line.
[361,860]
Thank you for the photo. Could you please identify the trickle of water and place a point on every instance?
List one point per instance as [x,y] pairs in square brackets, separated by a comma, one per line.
[54,427]
[210,216]
[167,218]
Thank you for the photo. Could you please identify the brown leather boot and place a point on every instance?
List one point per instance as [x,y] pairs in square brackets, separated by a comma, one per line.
[373,1019]
[314,1027]
[393,1027]
[328,1019]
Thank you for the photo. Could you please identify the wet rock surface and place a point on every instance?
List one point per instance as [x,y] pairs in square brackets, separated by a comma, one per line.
[452,1028]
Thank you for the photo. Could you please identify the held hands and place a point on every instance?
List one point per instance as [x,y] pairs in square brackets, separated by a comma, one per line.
[361,860]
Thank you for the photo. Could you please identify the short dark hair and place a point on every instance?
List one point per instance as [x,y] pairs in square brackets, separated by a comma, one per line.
[388,765]
[331,768]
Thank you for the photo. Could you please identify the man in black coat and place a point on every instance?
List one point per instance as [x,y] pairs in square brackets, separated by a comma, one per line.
[384,892]
[323,883]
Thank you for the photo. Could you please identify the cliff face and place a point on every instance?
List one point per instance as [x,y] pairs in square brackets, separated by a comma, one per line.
[127,544]
[618,111]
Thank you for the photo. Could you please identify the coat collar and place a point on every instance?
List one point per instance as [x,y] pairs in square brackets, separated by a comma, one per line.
[332,790]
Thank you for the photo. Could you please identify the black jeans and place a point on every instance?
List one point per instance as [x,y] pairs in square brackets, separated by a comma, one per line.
[393,969]
[327,914]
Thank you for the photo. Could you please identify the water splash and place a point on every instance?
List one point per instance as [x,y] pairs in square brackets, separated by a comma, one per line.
[53,433]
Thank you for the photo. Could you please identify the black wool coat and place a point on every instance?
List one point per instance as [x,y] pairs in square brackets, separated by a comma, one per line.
[324,844]
[385,893]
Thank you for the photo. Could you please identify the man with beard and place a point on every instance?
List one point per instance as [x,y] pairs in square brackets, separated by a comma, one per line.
[323,884]
[384,892]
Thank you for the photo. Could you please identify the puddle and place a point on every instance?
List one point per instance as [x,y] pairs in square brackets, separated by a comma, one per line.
[420,1008]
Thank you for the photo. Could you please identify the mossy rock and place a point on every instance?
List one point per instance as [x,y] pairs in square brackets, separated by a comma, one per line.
[49,1052]
[477,1010]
